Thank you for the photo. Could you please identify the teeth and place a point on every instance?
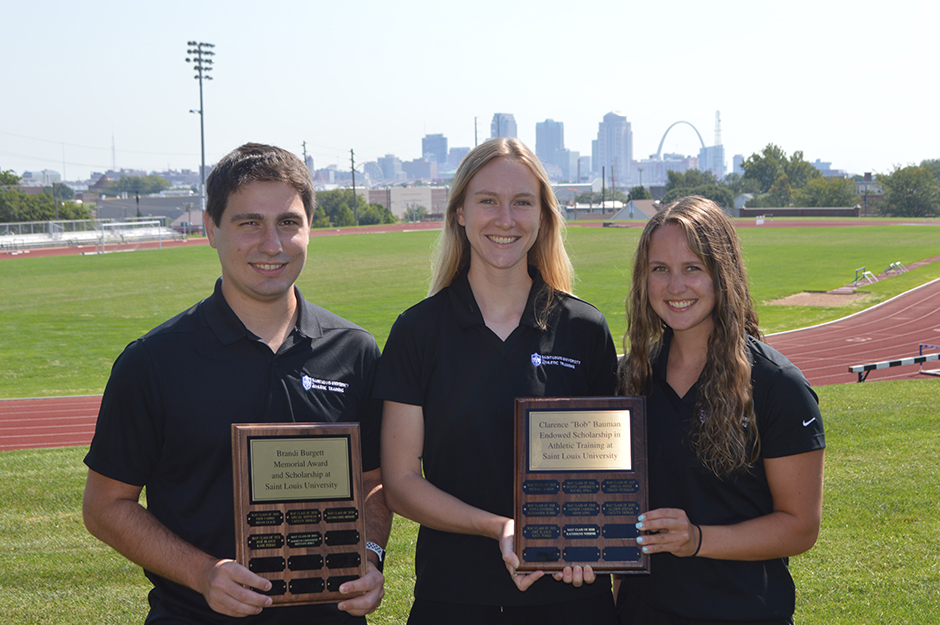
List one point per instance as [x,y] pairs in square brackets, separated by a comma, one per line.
[268,267]
[682,303]
[502,240]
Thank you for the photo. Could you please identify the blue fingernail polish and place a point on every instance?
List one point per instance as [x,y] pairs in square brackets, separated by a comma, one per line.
[639,526]
[646,549]
[642,517]
[639,539]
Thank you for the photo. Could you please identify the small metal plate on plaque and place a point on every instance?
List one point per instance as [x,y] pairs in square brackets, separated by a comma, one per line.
[580,483]
[298,502]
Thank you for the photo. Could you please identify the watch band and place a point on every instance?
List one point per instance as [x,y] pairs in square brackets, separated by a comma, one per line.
[377,550]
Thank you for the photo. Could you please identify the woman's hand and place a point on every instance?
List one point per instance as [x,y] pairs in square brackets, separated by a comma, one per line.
[669,531]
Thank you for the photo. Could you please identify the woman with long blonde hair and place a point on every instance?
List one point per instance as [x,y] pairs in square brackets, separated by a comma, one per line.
[496,325]
[735,437]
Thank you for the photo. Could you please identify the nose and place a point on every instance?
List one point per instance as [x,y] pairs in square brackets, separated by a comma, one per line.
[504,215]
[676,282]
[270,241]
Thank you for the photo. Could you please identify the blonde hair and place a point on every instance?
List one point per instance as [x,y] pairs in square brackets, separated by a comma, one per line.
[724,437]
[548,253]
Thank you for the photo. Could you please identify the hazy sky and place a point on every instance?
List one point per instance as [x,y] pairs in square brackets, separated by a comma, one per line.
[854,83]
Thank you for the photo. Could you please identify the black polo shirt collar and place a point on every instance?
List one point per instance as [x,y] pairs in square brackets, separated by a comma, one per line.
[228,328]
[467,311]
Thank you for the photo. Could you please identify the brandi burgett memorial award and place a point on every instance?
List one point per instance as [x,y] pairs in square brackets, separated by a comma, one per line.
[298,507]
[580,483]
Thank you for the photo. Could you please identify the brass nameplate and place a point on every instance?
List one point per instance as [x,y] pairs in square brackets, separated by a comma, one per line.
[580,482]
[298,503]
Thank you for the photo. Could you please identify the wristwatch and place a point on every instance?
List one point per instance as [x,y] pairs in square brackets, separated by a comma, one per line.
[374,548]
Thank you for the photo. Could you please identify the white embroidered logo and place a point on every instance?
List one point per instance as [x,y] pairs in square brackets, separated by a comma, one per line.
[549,359]
[323,385]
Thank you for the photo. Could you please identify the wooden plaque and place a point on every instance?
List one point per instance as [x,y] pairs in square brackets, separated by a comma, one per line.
[580,483]
[299,507]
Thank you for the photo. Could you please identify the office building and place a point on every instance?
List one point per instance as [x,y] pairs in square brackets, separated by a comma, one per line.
[612,151]
[435,147]
[503,125]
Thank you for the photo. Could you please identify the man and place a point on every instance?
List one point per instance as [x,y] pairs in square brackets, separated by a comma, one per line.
[240,355]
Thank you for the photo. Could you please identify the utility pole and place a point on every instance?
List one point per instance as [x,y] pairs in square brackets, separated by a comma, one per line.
[352,160]
[202,62]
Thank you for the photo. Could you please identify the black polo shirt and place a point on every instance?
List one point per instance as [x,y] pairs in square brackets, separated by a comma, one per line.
[789,423]
[441,356]
[166,415]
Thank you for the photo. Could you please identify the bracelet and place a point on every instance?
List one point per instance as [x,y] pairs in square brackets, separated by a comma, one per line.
[377,550]
[699,541]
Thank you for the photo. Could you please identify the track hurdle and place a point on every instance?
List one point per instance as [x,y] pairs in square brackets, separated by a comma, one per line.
[928,371]
[864,370]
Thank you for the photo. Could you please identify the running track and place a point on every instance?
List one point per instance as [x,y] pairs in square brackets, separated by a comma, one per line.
[824,353]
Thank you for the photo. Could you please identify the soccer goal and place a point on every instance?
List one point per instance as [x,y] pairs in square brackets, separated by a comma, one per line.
[122,233]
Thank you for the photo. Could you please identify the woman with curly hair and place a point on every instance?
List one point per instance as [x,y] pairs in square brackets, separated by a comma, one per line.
[735,437]
[498,310]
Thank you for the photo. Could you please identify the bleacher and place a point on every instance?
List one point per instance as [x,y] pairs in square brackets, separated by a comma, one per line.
[74,233]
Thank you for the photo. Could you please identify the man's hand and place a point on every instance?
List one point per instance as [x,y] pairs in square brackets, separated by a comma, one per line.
[366,593]
[227,590]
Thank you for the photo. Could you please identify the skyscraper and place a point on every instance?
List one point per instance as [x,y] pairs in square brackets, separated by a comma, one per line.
[549,139]
[613,148]
[503,125]
[435,146]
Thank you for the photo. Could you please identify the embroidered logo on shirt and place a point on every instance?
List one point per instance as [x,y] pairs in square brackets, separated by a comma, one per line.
[549,359]
[323,385]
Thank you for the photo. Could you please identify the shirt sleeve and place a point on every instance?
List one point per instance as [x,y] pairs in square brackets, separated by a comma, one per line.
[128,438]
[787,410]
[401,376]
[370,412]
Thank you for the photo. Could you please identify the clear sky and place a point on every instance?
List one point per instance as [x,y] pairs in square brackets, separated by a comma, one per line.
[853,83]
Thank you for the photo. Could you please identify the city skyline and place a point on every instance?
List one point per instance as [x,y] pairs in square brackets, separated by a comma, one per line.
[842,85]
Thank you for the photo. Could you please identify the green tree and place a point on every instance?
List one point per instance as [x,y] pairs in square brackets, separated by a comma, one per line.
[375,214]
[911,191]
[640,193]
[716,193]
[415,213]
[689,179]
[62,191]
[766,168]
[8,178]
[18,206]
[590,197]
[826,192]
[343,216]
[933,164]
[737,184]
[144,185]
[333,207]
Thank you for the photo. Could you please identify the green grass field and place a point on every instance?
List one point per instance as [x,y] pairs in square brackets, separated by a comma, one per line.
[65,319]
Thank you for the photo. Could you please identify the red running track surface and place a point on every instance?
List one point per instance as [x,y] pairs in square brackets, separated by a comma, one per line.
[889,331]
[48,422]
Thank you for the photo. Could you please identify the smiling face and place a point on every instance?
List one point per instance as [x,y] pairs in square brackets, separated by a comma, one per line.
[262,241]
[680,289]
[500,214]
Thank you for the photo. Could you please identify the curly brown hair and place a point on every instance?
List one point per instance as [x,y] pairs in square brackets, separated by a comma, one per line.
[725,437]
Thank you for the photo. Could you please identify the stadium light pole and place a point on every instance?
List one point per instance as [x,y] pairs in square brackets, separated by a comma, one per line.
[202,62]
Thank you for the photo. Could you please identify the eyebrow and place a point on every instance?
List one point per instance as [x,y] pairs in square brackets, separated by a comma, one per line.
[261,217]
[524,194]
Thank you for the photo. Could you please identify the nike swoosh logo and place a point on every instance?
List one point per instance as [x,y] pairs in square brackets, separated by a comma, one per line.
[805,423]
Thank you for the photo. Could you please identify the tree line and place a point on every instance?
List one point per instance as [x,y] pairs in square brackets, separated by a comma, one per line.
[52,203]
[778,181]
